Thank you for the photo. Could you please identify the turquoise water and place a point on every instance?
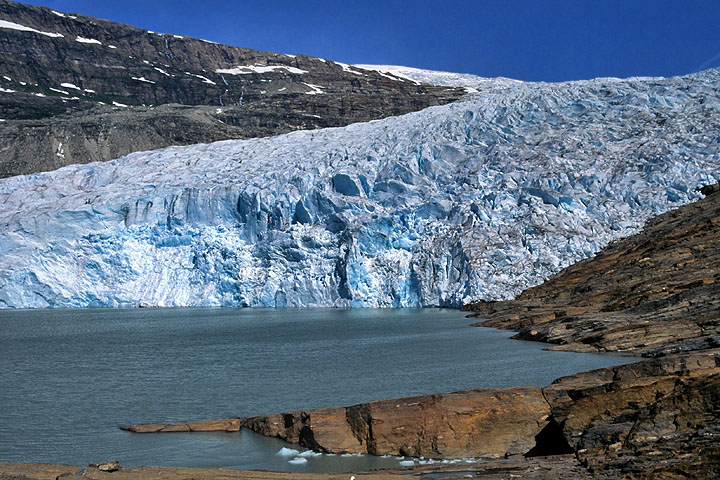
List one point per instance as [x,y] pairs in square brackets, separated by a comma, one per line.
[69,378]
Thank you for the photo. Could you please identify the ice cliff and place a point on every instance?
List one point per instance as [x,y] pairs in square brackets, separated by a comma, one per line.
[479,199]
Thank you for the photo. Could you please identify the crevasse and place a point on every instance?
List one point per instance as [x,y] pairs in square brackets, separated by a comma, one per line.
[479,199]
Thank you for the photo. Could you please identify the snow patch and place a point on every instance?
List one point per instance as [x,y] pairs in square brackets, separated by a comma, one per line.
[59,14]
[7,90]
[204,79]
[89,90]
[118,104]
[143,79]
[23,28]
[87,40]
[112,46]
[249,69]
[64,92]
[315,89]
[162,71]
[349,68]
[70,85]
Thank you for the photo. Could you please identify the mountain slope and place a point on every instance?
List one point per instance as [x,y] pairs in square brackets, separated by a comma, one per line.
[76,89]
[474,200]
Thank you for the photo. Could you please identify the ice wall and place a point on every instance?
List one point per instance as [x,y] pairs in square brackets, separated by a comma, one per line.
[479,199]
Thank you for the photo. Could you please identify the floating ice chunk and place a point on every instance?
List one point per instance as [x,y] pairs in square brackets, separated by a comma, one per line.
[309,453]
[248,69]
[407,463]
[70,85]
[298,461]
[23,28]
[87,40]
[287,452]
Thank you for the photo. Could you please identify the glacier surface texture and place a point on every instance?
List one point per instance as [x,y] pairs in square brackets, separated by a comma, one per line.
[479,199]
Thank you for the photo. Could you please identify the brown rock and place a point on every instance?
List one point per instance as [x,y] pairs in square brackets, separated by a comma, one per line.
[473,423]
[224,425]
[637,418]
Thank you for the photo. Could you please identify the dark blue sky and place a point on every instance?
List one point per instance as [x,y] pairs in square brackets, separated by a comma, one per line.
[546,40]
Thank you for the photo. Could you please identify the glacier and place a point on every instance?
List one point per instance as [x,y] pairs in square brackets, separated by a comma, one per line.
[475,200]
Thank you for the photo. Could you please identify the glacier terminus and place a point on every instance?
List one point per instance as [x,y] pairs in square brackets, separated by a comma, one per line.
[475,200]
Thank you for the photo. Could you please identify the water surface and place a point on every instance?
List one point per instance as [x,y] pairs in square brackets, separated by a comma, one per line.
[69,378]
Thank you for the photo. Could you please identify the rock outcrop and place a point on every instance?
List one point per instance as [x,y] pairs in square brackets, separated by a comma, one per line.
[76,89]
[472,423]
[642,419]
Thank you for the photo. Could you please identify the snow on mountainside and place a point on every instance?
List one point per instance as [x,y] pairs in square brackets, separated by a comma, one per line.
[474,200]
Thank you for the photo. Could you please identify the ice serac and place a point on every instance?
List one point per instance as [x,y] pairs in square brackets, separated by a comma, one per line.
[474,200]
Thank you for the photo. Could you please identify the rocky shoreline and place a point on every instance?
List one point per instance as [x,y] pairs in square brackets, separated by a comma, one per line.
[653,295]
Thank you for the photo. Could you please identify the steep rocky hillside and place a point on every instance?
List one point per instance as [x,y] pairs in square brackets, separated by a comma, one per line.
[650,294]
[76,89]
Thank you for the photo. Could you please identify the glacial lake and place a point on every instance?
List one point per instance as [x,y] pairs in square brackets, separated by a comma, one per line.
[70,378]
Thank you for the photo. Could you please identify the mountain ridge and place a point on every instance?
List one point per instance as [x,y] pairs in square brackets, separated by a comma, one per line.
[76,89]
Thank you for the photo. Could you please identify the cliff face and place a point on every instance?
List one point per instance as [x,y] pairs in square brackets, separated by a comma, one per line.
[76,89]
